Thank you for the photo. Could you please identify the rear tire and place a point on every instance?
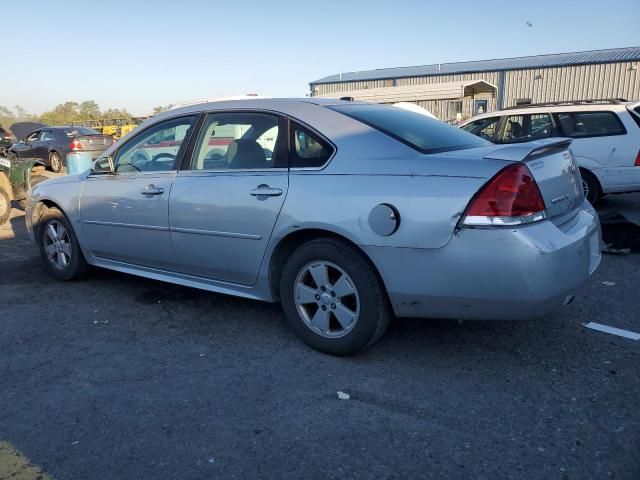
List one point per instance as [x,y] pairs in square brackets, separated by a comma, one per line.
[59,246]
[343,315]
[590,186]
[5,206]
[35,179]
[55,162]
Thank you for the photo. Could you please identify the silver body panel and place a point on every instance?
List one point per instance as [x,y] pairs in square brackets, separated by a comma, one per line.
[207,231]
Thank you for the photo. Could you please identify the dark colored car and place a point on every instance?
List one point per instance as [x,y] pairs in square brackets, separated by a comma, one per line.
[6,140]
[52,144]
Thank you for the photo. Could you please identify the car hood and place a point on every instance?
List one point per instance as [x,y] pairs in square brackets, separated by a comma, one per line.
[22,129]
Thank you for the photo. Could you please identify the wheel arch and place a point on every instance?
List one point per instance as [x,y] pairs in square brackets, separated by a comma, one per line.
[42,206]
[291,241]
[595,176]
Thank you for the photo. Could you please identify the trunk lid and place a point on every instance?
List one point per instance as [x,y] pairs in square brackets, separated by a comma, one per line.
[553,168]
[95,142]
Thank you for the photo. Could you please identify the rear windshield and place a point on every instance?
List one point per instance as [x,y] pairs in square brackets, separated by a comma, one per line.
[80,131]
[425,134]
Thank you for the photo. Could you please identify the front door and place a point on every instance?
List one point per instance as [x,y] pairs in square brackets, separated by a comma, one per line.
[224,207]
[125,214]
[27,148]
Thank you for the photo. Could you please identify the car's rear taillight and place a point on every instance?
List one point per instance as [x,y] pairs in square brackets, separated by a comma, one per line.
[512,197]
[637,164]
[75,145]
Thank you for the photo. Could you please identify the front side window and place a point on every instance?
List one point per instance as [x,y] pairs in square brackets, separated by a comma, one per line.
[238,141]
[590,124]
[33,137]
[425,134]
[157,149]
[524,128]
[47,136]
[484,128]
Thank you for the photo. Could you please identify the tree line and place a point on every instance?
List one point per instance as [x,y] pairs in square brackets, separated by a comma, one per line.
[68,113]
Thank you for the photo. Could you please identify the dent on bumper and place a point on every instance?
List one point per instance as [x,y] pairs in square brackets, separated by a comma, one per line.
[493,274]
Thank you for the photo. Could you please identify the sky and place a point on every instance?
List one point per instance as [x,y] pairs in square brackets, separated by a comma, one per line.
[141,54]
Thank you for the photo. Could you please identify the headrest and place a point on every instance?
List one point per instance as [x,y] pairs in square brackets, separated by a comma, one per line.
[245,153]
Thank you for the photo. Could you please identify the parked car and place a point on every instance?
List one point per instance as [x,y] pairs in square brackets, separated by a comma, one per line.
[52,144]
[606,138]
[16,177]
[362,211]
[6,140]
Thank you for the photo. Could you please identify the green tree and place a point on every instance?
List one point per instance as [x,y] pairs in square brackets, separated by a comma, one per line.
[89,110]
[63,114]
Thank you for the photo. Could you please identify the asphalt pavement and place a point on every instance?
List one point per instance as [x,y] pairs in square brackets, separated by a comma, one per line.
[118,377]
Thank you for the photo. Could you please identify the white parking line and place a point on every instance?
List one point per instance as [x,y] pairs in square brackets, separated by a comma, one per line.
[613,330]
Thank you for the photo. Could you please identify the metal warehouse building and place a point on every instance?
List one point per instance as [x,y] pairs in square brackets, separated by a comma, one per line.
[468,88]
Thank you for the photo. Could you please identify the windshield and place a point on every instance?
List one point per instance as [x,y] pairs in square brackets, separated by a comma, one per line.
[425,134]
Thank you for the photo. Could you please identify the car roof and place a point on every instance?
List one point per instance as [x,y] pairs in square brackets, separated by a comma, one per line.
[599,107]
[283,105]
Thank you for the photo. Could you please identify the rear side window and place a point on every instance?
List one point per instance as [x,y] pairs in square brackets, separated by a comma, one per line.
[307,149]
[420,132]
[590,124]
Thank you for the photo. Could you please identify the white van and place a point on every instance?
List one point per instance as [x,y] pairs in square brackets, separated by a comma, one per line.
[605,133]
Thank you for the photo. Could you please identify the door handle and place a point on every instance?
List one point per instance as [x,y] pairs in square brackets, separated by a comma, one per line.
[266,191]
[152,190]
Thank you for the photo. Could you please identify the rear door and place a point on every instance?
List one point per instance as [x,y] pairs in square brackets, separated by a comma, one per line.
[226,201]
[45,141]
[125,215]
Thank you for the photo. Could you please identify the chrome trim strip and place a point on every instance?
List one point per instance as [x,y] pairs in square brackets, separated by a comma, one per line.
[127,225]
[246,236]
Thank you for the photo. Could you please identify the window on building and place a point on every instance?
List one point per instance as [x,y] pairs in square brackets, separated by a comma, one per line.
[453,108]
[590,124]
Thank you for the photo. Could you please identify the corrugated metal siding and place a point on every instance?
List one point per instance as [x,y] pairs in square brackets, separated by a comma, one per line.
[614,80]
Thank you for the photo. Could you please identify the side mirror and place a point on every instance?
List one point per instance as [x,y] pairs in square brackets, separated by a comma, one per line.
[103,165]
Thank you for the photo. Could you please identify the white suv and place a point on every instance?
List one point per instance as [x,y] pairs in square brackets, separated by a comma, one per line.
[605,133]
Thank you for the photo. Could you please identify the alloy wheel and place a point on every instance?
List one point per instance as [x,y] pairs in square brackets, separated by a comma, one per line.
[57,245]
[327,299]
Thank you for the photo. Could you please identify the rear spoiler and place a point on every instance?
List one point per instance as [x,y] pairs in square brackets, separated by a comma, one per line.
[523,151]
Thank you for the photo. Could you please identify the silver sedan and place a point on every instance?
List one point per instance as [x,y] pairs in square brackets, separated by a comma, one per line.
[347,213]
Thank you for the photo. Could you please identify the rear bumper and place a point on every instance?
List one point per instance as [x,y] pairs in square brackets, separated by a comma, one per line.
[493,274]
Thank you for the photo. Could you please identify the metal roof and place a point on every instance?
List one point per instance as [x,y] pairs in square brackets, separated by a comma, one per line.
[517,63]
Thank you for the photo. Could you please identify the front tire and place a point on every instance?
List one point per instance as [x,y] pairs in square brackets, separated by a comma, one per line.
[332,297]
[59,246]
[55,162]
[590,187]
